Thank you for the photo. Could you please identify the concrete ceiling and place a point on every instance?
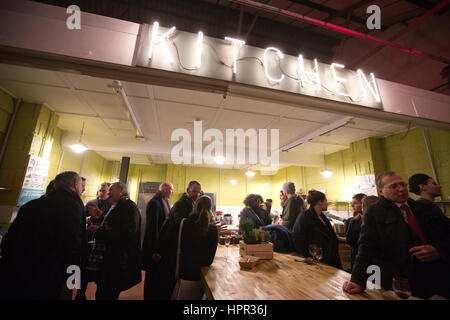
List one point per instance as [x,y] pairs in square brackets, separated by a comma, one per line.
[108,130]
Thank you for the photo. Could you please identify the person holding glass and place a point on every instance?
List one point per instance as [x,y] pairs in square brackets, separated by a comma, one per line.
[405,240]
[120,235]
[313,228]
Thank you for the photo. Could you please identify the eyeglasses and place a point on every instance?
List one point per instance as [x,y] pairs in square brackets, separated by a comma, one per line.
[397,185]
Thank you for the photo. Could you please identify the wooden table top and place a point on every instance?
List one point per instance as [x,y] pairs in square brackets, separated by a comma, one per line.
[282,278]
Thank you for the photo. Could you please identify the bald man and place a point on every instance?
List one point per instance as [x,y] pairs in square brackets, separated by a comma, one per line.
[157,212]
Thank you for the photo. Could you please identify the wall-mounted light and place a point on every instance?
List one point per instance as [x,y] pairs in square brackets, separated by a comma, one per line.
[79,147]
[266,184]
[232,181]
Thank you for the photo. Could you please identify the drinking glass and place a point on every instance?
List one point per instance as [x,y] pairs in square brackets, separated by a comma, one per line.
[227,243]
[401,287]
[316,252]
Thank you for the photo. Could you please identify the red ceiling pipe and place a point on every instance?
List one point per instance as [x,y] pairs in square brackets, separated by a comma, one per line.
[334,27]
[403,31]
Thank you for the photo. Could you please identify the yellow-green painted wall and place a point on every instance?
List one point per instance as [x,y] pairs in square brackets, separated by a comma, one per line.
[88,164]
[406,154]
[32,133]
[6,111]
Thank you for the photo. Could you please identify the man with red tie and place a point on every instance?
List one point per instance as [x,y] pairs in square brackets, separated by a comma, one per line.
[400,236]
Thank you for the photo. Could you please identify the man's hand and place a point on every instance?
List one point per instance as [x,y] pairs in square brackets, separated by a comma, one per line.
[94,211]
[88,220]
[351,287]
[425,253]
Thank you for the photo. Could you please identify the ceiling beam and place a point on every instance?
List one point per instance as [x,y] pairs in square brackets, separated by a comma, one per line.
[317,133]
[328,10]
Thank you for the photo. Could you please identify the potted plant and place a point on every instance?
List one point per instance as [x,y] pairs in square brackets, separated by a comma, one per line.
[255,241]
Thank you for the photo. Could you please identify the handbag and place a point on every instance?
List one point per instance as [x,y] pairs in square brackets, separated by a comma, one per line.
[185,289]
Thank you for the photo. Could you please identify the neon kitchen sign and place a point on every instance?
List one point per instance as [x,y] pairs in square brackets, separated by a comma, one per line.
[231,60]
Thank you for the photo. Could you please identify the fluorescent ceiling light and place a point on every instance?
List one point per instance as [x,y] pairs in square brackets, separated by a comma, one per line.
[232,181]
[220,159]
[78,147]
[326,173]
[250,173]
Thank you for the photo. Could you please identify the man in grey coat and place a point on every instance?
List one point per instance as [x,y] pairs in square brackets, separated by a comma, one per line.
[293,206]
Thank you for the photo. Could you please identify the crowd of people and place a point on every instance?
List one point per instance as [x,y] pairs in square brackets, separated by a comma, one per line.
[50,234]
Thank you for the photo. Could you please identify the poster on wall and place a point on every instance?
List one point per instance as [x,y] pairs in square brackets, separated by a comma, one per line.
[365,184]
[34,181]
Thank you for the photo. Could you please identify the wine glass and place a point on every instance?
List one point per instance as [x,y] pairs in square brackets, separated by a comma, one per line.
[401,287]
[316,252]
[227,243]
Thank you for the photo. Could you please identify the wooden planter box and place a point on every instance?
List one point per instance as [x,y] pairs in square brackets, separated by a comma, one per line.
[262,251]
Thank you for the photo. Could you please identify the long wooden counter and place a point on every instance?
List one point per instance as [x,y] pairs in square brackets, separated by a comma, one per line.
[282,278]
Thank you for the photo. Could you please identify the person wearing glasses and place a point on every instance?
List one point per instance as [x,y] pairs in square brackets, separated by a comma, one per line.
[398,236]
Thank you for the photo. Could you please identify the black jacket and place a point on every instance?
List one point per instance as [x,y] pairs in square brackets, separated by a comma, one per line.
[293,207]
[182,208]
[198,248]
[120,233]
[308,229]
[155,217]
[385,240]
[259,216]
[352,236]
[44,239]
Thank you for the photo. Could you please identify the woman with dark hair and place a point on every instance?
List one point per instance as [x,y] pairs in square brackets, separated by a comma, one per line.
[354,226]
[198,248]
[253,211]
[313,227]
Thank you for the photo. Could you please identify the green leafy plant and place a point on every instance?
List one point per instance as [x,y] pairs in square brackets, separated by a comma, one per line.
[252,235]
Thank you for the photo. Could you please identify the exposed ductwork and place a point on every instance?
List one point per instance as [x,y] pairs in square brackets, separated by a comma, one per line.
[343,30]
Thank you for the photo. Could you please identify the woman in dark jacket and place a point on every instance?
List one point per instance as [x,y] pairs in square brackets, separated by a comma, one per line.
[313,227]
[198,248]
[253,211]
[120,235]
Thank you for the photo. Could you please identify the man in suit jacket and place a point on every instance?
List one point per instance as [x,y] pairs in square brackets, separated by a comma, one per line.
[157,213]
[398,235]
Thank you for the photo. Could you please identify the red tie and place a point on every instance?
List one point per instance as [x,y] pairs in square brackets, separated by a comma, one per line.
[412,221]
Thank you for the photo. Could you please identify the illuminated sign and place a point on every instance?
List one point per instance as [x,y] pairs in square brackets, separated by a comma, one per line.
[231,60]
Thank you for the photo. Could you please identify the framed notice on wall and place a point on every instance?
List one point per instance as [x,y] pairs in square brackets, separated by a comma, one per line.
[34,180]
[365,184]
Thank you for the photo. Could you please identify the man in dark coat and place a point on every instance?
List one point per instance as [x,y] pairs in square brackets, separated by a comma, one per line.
[36,264]
[427,189]
[157,213]
[120,236]
[293,206]
[183,207]
[400,236]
